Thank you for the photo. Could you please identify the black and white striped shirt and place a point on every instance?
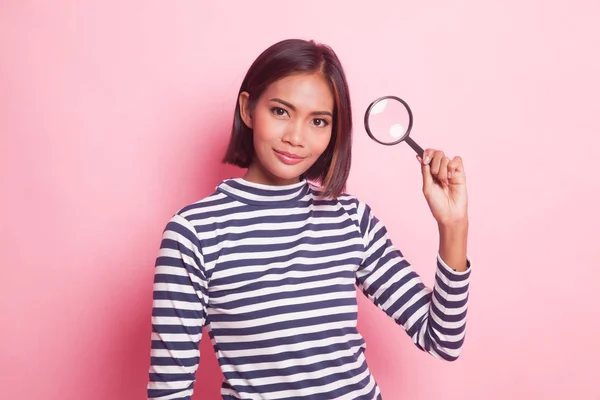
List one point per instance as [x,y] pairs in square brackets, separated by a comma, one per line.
[271,272]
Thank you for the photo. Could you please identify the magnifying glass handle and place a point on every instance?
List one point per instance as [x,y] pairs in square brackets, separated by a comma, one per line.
[414,146]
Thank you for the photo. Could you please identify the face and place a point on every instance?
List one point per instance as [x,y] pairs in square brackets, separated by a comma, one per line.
[291,125]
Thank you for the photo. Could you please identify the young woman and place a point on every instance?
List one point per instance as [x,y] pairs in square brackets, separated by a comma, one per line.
[269,262]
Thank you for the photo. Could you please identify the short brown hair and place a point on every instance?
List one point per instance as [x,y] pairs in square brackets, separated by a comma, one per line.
[285,58]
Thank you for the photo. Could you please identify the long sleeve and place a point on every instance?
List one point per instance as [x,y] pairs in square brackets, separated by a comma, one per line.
[435,318]
[179,306]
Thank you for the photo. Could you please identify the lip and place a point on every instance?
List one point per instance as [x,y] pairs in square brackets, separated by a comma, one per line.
[288,158]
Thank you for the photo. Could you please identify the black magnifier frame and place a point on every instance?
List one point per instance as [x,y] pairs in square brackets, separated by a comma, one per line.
[405,138]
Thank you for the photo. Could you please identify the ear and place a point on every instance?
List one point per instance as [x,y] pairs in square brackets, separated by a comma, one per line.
[245,112]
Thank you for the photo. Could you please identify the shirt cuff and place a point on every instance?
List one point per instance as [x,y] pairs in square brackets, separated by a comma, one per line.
[452,271]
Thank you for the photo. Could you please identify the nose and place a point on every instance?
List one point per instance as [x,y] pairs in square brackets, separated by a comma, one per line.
[294,134]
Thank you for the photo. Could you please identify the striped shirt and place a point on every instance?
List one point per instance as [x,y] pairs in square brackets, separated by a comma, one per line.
[272,273]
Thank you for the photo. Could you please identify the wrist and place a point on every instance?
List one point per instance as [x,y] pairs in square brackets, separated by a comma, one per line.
[456,226]
[453,244]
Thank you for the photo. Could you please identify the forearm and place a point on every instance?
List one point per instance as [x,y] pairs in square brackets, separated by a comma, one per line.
[443,335]
[453,245]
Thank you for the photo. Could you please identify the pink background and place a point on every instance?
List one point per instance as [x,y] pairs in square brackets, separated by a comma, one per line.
[114,114]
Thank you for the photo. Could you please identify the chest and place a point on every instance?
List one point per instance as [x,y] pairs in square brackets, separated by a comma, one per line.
[280,263]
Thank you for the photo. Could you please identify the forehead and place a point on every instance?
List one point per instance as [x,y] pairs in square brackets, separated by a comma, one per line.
[310,92]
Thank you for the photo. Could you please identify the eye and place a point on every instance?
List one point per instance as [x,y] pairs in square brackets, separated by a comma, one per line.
[280,112]
[320,122]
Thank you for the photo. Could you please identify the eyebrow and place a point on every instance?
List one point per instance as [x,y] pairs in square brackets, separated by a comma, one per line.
[285,103]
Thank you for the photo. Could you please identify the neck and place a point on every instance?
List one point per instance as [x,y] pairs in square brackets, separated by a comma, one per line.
[264,194]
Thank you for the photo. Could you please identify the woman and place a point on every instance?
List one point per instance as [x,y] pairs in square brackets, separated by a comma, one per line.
[269,262]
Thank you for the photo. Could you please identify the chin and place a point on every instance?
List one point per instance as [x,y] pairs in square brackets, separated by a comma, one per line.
[287,173]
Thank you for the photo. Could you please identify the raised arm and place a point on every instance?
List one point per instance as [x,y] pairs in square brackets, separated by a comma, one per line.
[435,318]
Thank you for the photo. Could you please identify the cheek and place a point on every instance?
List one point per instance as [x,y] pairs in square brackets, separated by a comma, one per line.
[320,143]
[267,128]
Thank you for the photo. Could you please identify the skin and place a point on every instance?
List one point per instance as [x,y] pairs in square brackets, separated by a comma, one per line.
[445,189]
[294,115]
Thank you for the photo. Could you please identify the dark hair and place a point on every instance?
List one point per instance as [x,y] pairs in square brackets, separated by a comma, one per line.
[285,58]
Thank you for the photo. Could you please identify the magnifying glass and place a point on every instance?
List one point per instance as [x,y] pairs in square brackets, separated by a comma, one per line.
[389,120]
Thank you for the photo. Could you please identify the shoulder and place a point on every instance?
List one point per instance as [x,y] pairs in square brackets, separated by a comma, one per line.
[192,214]
[350,202]
[204,207]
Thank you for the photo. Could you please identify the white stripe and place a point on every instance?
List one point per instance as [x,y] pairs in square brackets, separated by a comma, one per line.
[288,317]
[329,341]
[224,273]
[283,288]
[158,385]
[176,337]
[451,297]
[163,353]
[448,338]
[242,214]
[174,287]
[453,284]
[177,321]
[177,304]
[251,196]
[299,376]
[264,255]
[260,241]
[173,369]
[315,390]
[271,226]
[288,363]
[169,270]
[299,299]
[446,310]
[286,332]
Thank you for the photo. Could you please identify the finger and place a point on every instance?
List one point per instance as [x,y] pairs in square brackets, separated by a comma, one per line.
[456,163]
[455,168]
[427,177]
[436,162]
[427,156]
[443,173]
[426,169]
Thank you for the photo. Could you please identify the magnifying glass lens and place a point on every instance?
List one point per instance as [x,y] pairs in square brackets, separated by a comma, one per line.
[388,121]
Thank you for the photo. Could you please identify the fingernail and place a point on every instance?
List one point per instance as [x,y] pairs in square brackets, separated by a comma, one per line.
[426,160]
[449,175]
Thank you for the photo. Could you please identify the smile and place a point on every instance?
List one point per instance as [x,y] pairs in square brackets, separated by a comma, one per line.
[288,158]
